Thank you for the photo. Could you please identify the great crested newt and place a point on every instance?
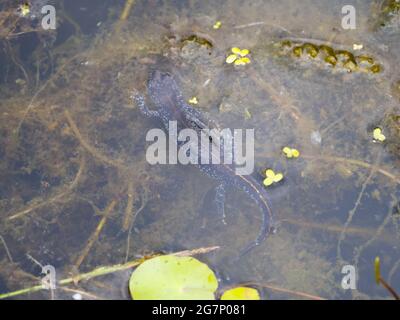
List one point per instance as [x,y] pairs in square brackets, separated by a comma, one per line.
[170,106]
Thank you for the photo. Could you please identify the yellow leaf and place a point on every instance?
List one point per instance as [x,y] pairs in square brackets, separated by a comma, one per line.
[241,293]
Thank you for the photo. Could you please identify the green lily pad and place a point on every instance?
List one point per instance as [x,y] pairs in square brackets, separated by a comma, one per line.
[241,293]
[173,278]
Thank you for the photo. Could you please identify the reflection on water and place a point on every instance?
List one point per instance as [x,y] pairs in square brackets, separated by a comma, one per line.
[76,191]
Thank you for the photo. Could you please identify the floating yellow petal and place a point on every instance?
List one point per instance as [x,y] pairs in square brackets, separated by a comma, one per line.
[231,58]
[241,293]
[217,25]
[193,100]
[378,135]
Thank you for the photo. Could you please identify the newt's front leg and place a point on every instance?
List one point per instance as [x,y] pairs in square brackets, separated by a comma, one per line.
[139,100]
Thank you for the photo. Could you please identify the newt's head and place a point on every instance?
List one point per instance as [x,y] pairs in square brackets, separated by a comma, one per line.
[164,91]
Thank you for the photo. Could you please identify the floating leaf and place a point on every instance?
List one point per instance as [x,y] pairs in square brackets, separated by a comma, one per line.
[173,278]
[241,293]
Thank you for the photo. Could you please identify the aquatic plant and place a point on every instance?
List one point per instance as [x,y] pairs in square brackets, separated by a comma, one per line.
[241,293]
[239,57]
[338,59]
[271,177]
[379,279]
[171,277]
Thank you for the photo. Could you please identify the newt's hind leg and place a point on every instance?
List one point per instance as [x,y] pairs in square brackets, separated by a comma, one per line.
[139,100]
[220,201]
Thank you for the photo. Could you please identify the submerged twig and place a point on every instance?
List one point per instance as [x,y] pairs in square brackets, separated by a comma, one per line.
[132,221]
[6,248]
[352,213]
[39,91]
[93,238]
[356,162]
[279,289]
[101,271]
[380,280]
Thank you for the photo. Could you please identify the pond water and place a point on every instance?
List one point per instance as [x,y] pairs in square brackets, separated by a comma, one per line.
[76,190]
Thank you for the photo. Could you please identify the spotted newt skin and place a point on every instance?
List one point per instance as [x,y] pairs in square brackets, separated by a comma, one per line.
[170,106]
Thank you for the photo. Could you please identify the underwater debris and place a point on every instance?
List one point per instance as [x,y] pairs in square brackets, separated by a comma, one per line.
[340,60]
[380,280]
[391,124]
[388,15]
[202,41]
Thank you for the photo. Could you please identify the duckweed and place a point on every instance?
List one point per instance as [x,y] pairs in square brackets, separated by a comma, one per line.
[238,56]
[193,100]
[217,25]
[378,135]
[291,152]
[271,177]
